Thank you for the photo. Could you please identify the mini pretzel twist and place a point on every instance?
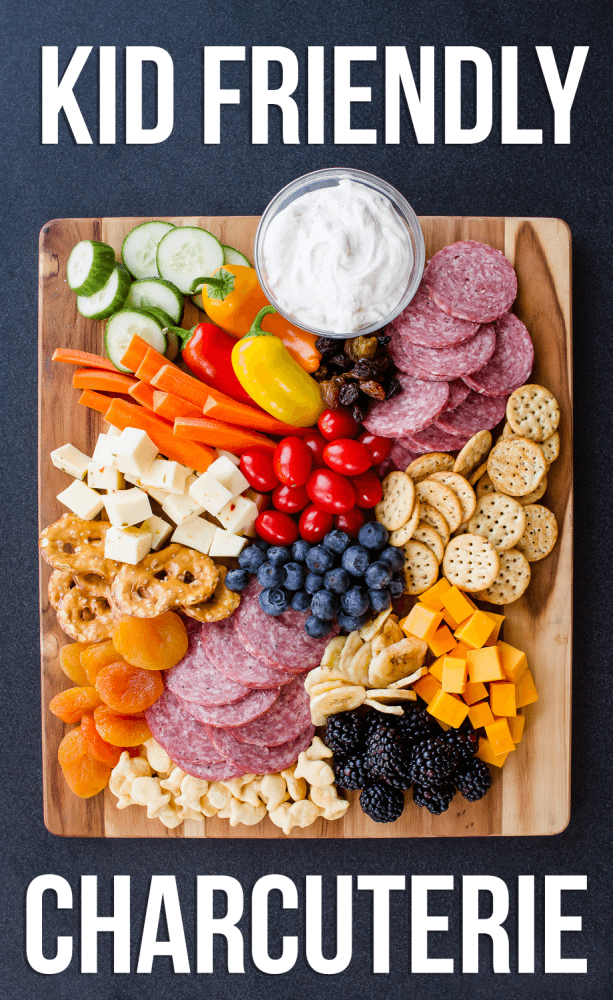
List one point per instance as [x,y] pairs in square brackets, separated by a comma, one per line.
[162,580]
[75,545]
[84,617]
[221,605]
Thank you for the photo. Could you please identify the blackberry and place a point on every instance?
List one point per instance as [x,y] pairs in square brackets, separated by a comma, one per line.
[350,772]
[435,797]
[416,725]
[473,779]
[465,740]
[386,759]
[432,760]
[344,733]
[382,803]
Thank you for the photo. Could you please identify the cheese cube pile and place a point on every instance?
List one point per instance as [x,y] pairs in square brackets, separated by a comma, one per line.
[475,674]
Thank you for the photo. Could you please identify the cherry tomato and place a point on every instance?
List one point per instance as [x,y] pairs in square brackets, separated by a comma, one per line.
[256,467]
[276,528]
[292,462]
[338,424]
[330,491]
[316,444]
[378,447]
[291,499]
[368,489]
[348,457]
[351,522]
[315,524]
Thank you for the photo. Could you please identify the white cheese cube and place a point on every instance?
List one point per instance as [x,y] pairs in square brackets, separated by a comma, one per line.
[210,493]
[160,495]
[100,477]
[189,481]
[181,508]
[127,507]
[226,544]
[111,431]
[105,451]
[81,500]
[69,459]
[238,515]
[164,475]
[160,531]
[228,454]
[226,473]
[127,545]
[196,533]
[134,451]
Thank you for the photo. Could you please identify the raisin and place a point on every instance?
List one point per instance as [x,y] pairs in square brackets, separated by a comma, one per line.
[348,394]
[151,643]
[360,347]
[70,705]
[326,346]
[128,689]
[373,389]
[330,393]
[393,389]
[358,413]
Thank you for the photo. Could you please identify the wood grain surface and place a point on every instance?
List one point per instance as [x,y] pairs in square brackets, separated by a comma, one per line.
[531,794]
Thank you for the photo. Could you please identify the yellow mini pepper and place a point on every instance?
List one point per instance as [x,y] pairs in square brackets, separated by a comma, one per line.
[266,370]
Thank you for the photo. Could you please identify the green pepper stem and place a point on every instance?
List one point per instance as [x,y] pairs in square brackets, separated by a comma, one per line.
[256,326]
[220,286]
[184,335]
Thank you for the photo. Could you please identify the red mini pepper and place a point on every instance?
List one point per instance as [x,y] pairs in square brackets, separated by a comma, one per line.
[207,352]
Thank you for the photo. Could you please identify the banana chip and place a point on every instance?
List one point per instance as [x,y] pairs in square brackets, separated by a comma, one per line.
[398,660]
[371,629]
[342,699]
[332,652]
[357,671]
[407,681]
[389,695]
[353,644]
[324,686]
[388,709]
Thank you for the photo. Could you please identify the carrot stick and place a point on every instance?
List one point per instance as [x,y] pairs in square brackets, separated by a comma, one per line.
[142,393]
[95,400]
[71,357]
[237,413]
[102,380]
[220,435]
[197,456]
[151,364]
[135,353]
[171,379]
[168,406]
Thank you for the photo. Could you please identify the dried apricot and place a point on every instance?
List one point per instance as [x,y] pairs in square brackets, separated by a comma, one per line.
[96,656]
[95,745]
[70,705]
[70,662]
[85,776]
[128,689]
[121,730]
[151,643]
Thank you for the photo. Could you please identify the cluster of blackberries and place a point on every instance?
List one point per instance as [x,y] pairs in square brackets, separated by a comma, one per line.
[336,579]
[385,756]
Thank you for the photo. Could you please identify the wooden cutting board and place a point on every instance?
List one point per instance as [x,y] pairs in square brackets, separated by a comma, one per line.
[531,794]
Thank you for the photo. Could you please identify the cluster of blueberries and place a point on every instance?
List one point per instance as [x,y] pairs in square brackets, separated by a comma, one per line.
[336,578]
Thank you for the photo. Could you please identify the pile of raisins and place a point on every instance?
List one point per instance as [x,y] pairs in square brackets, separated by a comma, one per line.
[356,370]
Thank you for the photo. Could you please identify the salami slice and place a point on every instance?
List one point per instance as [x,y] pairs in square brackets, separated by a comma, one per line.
[454,362]
[510,364]
[227,652]
[278,640]
[476,413]
[458,391]
[219,771]
[196,678]
[287,718]
[237,714]
[434,438]
[419,403]
[471,281]
[260,760]
[422,322]
[178,732]
[402,454]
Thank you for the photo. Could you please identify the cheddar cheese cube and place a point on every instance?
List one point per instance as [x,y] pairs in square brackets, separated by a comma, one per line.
[474,692]
[484,665]
[498,620]
[446,708]
[455,674]
[499,735]
[457,604]
[432,597]
[516,727]
[480,715]
[421,622]
[502,698]
[525,690]
[436,668]
[461,651]
[427,687]
[486,753]
[513,661]
[475,630]
[442,641]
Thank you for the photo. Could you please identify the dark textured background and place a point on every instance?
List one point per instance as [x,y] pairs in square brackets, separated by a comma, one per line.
[183,177]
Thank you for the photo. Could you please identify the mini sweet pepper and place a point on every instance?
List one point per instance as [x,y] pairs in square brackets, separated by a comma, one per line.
[206,349]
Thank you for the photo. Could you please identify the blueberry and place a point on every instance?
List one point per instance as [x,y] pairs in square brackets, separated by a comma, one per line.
[319,559]
[278,555]
[251,558]
[355,601]
[396,586]
[261,544]
[380,600]
[300,549]
[394,556]
[315,627]
[373,535]
[356,560]
[325,605]
[378,575]
[274,601]
[337,541]
[301,601]
[313,583]
[237,579]
[271,576]
[337,580]
[351,623]
[294,576]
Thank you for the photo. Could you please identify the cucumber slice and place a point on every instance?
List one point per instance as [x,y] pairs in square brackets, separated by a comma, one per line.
[188,253]
[140,246]
[158,293]
[160,314]
[232,256]
[109,299]
[89,266]
[173,345]
[121,328]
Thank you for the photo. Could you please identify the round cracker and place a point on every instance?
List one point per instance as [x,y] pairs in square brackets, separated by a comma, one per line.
[512,579]
[475,476]
[533,412]
[484,486]
[403,534]
[541,532]
[442,499]
[429,536]
[420,568]
[462,489]
[500,519]
[551,447]
[394,509]
[425,465]
[473,453]
[516,466]
[532,497]
[435,519]
[470,563]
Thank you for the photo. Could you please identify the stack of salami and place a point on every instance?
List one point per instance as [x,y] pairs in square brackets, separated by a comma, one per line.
[236,703]
[460,352]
